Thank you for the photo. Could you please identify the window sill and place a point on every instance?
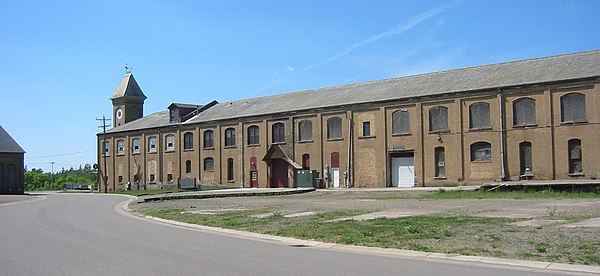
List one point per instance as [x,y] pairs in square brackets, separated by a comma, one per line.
[305,141]
[481,161]
[188,150]
[367,137]
[438,131]
[152,152]
[480,129]
[253,145]
[440,178]
[573,123]
[525,126]
[169,151]
[229,147]
[135,153]
[209,148]
[401,134]
[278,143]
[334,139]
[230,181]
[209,170]
[120,154]
[576,174]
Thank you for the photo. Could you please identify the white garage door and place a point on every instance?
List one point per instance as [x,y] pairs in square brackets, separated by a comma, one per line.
[403,171]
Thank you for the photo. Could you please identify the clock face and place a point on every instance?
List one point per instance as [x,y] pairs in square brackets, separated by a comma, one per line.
[119,113]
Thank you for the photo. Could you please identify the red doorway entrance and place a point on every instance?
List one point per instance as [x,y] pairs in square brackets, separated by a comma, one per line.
[279,169]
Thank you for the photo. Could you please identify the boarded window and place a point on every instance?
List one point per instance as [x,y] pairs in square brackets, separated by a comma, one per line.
[575,158]
[526,162]
[253,135]
[306,161]
[524,112]
[401,122]
[12,177]
[188,166]
[135,145]
[209,141]
[440,162]
[120,147]
[481,151]
[479,115]
[170,143]
[278,133]
[366,129]
[230,169]
[305,127]
[572,108]
[209,164]
[438,119]
[334,128]
[188,141]
[230,137]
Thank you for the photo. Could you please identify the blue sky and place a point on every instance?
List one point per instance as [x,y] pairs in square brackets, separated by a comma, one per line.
[60,61]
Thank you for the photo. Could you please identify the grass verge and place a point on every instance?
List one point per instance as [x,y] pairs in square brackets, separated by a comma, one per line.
[481,194]
[466,235]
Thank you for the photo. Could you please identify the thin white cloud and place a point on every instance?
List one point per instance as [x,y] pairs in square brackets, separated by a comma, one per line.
[289,69]
[405,26]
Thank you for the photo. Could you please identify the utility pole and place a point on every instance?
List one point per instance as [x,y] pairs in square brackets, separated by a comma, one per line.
[52,175]
[103,149]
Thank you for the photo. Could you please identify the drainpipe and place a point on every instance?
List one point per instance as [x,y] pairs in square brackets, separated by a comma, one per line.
[502,135]
[350,156]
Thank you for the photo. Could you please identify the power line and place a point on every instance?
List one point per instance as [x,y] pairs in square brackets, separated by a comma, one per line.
[61,154]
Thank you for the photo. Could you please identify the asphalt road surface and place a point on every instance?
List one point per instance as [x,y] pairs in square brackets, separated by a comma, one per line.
[82,234]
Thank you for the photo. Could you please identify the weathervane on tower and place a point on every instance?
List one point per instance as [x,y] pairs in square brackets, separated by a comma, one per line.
[127,68]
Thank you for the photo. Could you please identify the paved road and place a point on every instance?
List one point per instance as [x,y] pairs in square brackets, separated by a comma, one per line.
[78,234]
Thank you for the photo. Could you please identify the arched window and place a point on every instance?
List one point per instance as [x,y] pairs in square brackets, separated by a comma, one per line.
[481,151]
[253,135]
[572,108]
[152,144]
[440,162]
[278,133]
[305,130]
[120,147]
[135,145]
[334,128]
[209,164]
[230,137]
[525,158]
[479,115]
[401,122]
[575,156]
[438,119]
[524,112]
[188,141]
[169,142]
[209,141]
[188,166]
[306,161]
[230,169]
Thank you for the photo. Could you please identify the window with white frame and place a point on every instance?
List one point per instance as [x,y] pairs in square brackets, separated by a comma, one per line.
[135,145]
[120,147]
[152,144]
[169,143]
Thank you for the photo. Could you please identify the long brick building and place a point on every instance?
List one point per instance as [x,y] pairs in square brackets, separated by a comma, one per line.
[533,119]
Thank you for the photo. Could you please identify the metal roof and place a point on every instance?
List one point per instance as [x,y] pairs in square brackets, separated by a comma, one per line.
[128,87]
[516,73]
[509,74]
[8,144]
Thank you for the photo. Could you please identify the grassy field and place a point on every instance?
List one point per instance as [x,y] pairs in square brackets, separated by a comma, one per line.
[481,194]
[467,235]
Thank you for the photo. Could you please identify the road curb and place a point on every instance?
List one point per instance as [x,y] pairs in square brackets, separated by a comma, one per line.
[390,252]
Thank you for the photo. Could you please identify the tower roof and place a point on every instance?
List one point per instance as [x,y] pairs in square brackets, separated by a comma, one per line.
[8,144]
[128,88]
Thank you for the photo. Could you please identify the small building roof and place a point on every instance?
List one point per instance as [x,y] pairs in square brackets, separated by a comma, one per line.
[128,88]
[156,119]
[8,144]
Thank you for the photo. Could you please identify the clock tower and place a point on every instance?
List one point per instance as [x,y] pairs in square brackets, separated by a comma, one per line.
[128,101]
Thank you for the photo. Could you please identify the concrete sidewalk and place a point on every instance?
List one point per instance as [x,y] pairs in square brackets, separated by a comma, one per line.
[227,193]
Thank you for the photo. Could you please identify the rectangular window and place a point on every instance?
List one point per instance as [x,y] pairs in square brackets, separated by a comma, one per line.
[135,147]
[120,147]
[440,162]
[106,148]
[170,143]
[188,141]
[230,170]
[152,178]
[401,122]
[208,139]
[152,144]
[366,131]
[120,179]
[169,177]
